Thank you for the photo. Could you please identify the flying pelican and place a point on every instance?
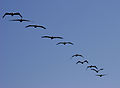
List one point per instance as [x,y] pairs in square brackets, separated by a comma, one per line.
[100,75]
[12,14]
[35,26]
[97,70]
[20,20]
[91,66]
[64,43]
[82,62]
[52,37]
[76,55]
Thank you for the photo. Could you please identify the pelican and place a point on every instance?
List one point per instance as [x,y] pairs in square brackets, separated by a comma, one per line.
[64,43]
[35,26]
[52,37]
[20,20]
[12,14]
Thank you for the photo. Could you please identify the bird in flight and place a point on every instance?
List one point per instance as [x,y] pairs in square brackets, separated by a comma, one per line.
[91,66]
[20,20]
[52,37]
[97,70]
[100,75]
[35,26]
[82,62]
[64,43]
[12,14]
[76,55]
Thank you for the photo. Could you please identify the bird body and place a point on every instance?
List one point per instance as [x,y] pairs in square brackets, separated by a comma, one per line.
[20,20]
[12,14]
[52,37]
[35,26]
[64,43]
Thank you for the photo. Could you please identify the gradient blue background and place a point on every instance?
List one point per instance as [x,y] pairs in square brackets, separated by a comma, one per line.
[27,61]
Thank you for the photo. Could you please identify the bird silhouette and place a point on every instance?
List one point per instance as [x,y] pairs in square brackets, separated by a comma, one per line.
[76,55]
[52,37]
[64,43]
[20,20]
[97,70]
[12,14]
[35,26]
[82,62]
[91,66]
[100,75]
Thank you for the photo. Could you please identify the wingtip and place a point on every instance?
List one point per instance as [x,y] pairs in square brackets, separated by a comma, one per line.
[26,26]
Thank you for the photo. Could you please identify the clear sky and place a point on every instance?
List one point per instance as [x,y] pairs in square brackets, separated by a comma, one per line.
[28,61]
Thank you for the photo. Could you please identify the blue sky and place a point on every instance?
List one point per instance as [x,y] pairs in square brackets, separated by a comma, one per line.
[27,61]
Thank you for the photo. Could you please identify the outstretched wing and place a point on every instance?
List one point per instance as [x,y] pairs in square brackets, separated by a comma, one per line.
[81,56]
[59,43]
[45,37]
[42,27]
[25,20]
[18,14]
[69,43]
[88,67]
[79,62]
[58,37]
[6,14]
[86,61]
[29,26]
[95,67]
[101,69]
[94,70]
[73,55]
[100,75]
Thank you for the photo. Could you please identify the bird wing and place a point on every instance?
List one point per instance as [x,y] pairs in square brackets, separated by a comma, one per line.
[45,37]
[18,14]
[86,61]
[101,69]
[41,27]
[101,75]
[94,70]
[29,26]
[59,43]
[81,55]
[98,75]
[6,14]
[58,37]
[73,55]
[25,20]
[95,67]
[78,62]
[88,67]
[69,43]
